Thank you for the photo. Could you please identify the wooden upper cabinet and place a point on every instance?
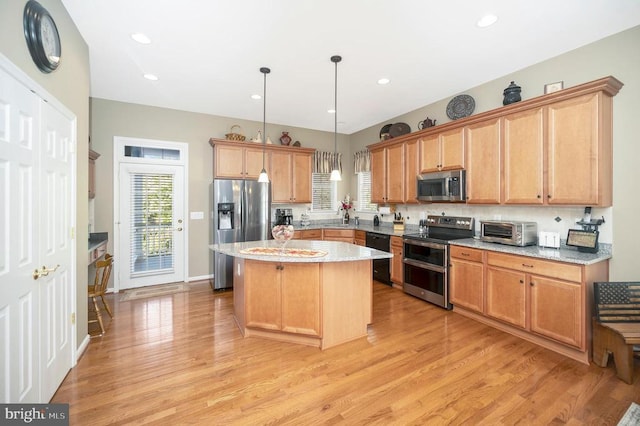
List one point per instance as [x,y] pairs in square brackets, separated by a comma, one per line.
[238,162]
[523,157]
[483,154]
[443,151]
[579,151]
[290,177]
[412,170]
[388,174]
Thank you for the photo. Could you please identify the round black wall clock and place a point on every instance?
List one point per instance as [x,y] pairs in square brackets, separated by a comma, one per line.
[42,36]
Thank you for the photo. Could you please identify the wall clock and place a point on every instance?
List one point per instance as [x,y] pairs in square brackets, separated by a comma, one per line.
[42,37]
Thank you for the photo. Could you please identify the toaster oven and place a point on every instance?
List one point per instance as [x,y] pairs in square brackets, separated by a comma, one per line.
[514,233]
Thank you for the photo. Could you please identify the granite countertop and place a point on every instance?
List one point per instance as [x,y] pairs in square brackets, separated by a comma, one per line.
[96,239]
[562,254]
[336,251]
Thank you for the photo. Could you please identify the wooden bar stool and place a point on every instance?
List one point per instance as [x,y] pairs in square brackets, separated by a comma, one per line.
[99,288]
[616,330]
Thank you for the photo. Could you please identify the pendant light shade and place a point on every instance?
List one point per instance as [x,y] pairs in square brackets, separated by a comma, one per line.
[264,178]
[335,173]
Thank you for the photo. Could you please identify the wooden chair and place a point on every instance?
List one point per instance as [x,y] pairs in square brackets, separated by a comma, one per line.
[99,287]
[616,329]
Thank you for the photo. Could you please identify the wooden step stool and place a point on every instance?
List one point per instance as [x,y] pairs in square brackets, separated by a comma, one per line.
[616,330]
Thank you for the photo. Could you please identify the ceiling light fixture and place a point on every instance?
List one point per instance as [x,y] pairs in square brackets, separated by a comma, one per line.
[151,77]
[264,178]
[335,173]
[486,21]
[383,81]
[141,38]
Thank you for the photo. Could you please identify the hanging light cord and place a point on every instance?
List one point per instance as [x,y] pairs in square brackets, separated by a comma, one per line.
[335,60]
[265,71]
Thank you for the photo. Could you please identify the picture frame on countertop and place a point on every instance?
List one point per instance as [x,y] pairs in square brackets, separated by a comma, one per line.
[553,87]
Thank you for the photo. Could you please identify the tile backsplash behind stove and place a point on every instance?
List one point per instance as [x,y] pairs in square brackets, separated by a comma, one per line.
[544,216]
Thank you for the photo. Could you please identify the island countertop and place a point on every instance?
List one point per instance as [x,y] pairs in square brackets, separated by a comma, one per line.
[335,251]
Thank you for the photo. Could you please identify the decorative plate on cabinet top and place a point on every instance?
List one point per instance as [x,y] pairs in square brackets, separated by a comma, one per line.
[461,106]
[399,129]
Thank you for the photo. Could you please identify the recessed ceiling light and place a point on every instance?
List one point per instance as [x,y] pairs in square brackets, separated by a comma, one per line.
[151,77]
[487,20]
[383,81]
[141,38]
[256,97]
[331,111]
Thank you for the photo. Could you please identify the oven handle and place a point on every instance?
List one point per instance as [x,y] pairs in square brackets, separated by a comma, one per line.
[423,265]
[425,244]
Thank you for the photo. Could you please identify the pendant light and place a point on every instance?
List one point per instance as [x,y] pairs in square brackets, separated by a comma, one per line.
[335,173]
[264,178]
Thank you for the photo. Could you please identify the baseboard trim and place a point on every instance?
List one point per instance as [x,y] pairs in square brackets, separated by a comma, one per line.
[83,347]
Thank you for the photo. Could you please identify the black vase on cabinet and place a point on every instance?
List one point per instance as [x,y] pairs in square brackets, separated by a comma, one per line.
[511,94]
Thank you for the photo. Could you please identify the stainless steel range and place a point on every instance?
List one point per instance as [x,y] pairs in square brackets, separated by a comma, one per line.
[426,257]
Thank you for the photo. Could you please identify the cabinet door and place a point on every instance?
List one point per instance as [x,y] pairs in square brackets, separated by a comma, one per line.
[301,178]
[263,296]
[483,153]
[523,157]
[412,169]
[301,298]
[397,267]
[557,310]
[378,176]
[281,177]
[429,154]
[573,151]
[505,298]
[466,284]
[452,150]
[395,173]
[253,162]
[229,162]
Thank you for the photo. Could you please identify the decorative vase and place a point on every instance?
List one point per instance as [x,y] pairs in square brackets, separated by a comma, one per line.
[345,218]
[285,139]
[511,94]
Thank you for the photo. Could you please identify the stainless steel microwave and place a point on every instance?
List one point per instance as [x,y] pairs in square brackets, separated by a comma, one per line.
[447,186]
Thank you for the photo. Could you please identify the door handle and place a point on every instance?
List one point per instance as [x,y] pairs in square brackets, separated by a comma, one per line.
[179,229]
[43,272]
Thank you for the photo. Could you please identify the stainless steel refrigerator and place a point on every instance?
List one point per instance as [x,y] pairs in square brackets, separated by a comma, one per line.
[241,212]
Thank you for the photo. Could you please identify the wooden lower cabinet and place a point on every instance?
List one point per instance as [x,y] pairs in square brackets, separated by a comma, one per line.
[397,267]
[543,301]
[467,278]
[279,301]
[307,234]
[360,238]
[343,235]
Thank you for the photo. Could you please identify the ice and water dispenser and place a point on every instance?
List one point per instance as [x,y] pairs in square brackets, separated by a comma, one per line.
[225,215]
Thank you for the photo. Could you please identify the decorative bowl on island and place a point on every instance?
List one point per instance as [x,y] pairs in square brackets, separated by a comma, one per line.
[282,234]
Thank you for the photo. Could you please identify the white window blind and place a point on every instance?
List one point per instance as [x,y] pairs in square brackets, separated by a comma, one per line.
[364,192]
[151,223]
[323,192]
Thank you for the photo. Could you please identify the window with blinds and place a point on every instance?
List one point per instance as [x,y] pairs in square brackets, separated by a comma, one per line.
[364,193]
[323,192]
[151,223]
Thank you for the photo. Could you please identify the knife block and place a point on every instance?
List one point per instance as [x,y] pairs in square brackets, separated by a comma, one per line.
[398,225]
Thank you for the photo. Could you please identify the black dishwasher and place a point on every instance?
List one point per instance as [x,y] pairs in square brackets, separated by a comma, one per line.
[380,266]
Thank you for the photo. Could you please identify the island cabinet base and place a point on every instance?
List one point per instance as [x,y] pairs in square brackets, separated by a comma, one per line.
[321,304]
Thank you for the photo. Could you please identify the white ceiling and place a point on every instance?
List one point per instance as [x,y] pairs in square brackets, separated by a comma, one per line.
[207,53]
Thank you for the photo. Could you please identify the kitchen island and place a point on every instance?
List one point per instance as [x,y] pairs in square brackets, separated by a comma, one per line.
[316,293]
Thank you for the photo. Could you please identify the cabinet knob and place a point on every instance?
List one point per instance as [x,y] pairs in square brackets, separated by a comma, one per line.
[521,282]
[531,283]
[548,195]
[539,196]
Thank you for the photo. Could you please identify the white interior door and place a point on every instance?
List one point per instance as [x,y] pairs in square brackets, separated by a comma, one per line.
[152,226]
[36,219]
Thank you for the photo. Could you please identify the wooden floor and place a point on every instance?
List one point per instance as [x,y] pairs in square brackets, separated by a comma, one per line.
[180,359]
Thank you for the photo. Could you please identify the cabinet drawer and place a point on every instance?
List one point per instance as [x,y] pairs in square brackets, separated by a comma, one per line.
[396,241]
[308,234]
[360,235]
[563,271]
[345,233]
[473,255]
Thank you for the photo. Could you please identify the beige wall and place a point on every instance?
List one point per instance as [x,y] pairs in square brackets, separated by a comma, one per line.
[70,85]
[619,56]
[110,119]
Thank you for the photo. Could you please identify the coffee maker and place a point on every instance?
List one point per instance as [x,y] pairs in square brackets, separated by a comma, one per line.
[284,217]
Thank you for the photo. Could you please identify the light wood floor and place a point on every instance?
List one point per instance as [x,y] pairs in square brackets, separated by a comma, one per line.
[180,359]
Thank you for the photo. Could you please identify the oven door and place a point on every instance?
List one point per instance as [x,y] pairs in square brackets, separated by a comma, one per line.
[425,272]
